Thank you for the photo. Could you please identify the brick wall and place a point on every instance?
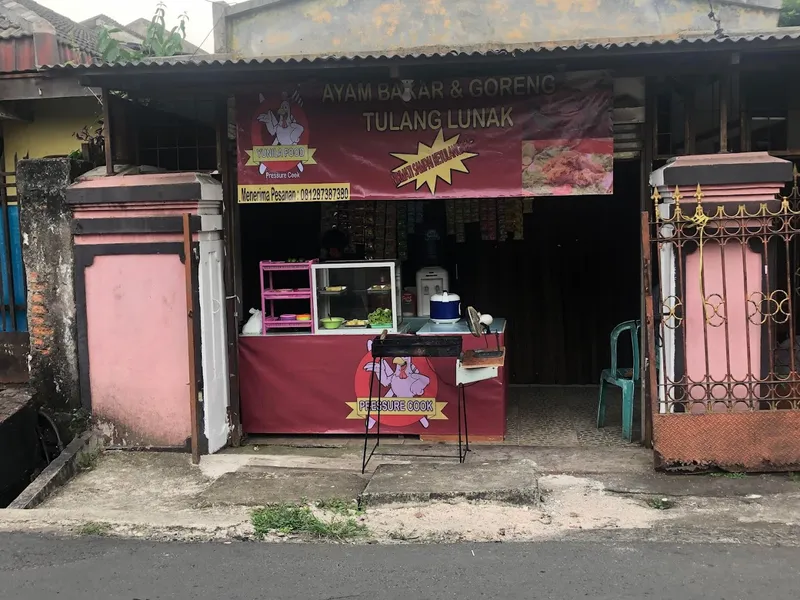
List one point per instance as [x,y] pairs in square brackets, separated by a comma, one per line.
[41,333]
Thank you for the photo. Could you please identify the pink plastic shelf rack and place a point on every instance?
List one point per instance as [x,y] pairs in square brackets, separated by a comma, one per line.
[299,294]
[269,294]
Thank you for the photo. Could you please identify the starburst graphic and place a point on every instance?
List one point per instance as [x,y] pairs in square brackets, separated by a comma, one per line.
[432,163]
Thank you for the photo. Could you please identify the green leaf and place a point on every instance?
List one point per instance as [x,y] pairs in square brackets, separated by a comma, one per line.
[113,54]
[160,41]
[790,14]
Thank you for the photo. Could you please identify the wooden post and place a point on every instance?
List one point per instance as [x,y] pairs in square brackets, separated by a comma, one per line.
[107,132]
[724,92]
[229,224]
[9,268]
[188,265]
[651,375]
[645,206]
[689,145]
[744,118]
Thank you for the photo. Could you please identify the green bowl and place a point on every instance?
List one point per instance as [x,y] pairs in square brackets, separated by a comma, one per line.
[331,322]
[382,325]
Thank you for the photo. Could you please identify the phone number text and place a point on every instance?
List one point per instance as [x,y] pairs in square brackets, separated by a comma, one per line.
[290,192]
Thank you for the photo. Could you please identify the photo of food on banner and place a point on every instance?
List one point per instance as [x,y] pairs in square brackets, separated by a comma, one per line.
[568,146]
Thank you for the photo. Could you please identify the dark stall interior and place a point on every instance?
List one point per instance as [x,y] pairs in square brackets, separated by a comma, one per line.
[563,288]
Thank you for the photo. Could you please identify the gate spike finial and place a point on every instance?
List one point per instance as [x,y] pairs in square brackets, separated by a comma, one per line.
[677,197]
[656,198]
[699,194]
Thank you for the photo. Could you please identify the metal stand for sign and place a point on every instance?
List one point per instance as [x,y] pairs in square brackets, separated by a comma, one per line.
[413,346]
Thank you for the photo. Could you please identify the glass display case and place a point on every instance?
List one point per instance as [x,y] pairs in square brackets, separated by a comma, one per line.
[356,297]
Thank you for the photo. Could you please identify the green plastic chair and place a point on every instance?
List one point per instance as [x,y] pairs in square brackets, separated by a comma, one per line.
[624,378]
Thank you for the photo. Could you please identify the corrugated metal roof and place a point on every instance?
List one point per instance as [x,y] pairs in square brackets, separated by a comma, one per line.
[651,44]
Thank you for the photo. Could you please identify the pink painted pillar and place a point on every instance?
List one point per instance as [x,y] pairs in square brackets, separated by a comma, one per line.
[131,300]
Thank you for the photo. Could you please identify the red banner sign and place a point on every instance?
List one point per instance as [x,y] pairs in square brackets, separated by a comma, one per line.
[485,137]
[314,384]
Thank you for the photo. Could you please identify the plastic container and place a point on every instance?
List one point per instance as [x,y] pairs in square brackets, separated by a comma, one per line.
[331,322]
[445,308]
[408,303]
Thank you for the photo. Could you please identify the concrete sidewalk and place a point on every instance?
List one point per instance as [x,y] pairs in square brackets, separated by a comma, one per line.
[500,493]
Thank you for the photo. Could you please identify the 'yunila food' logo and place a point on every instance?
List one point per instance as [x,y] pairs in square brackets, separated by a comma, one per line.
[280,137]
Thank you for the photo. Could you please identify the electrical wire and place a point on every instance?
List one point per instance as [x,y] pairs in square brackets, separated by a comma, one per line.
[213,27]
[720,32]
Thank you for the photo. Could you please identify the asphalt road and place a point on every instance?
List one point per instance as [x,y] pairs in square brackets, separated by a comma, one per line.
[42,568]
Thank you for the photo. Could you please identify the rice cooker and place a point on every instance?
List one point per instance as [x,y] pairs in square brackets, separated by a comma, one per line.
[445,308]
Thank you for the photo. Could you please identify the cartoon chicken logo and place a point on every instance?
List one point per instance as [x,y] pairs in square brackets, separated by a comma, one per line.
[281,123]
[406,390]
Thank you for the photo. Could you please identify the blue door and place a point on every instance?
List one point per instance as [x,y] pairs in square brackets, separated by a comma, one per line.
[13,312]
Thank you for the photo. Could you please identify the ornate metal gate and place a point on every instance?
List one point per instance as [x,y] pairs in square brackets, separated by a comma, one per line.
[723,348]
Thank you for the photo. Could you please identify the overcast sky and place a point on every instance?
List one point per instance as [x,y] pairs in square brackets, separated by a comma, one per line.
[125,11]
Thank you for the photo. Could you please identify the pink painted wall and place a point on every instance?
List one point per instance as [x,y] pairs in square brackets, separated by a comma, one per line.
[137,332]
[723,344]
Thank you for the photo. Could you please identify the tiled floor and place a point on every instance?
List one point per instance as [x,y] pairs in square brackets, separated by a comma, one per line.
[563,416]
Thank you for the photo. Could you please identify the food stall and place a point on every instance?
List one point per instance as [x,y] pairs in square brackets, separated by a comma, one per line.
[313,377]
[431,174]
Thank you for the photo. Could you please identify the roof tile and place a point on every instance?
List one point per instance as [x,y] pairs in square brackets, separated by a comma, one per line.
[68,31]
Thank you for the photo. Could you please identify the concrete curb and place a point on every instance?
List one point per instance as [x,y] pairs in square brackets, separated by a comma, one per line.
[506,481]
[58,472]
[522,496]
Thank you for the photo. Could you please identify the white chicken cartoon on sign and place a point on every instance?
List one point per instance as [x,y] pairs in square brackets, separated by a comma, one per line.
[283,126]
[402,378]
